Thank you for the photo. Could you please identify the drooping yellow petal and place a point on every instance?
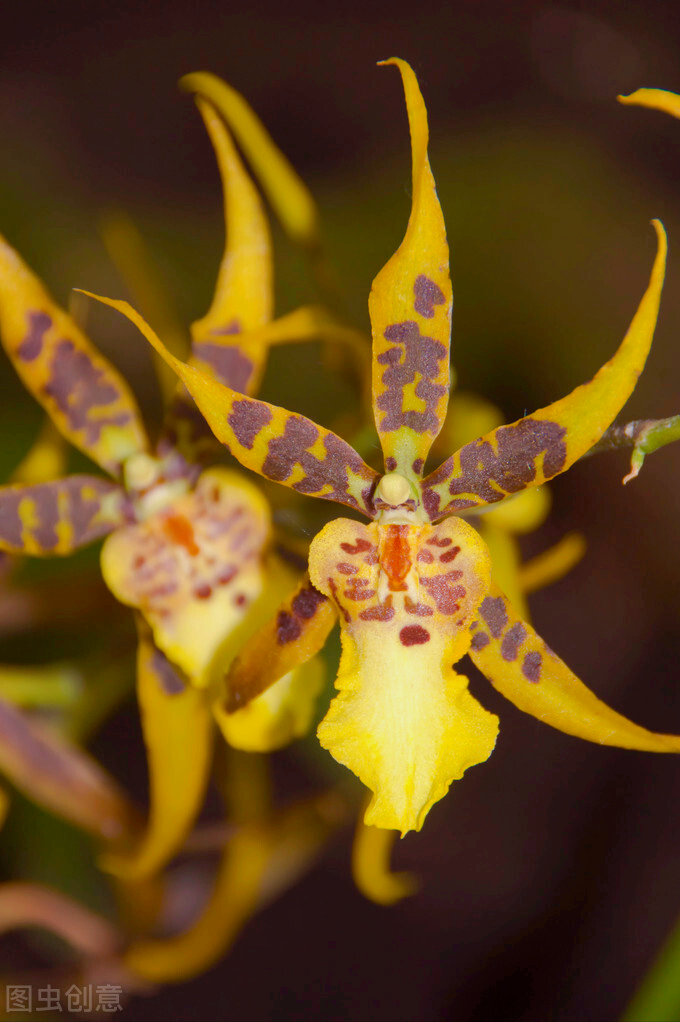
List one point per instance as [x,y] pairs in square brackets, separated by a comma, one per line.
[542,445]
[56,518]
[287,193]
[526,671]
[178,734]
[279,445]
[506,559]
[410,308]
[46,460]
[291,637]
[279,715]
[403,721]
[553,564]
[655,99]
[86,398]
[194,568]
[371,866]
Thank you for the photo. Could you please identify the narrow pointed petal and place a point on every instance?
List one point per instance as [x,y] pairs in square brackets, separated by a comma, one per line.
[287,193]
[195,568]
[542,445]
[655,99]
[553,564]
[290,638]
[279,445]
[59,517]
[410,308]
[63,778]
[86,398]
[403,721]
[526,671]
[46,460]
[178,734]
[371,866]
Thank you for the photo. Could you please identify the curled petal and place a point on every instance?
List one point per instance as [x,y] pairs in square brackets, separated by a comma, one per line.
[655,99]
[279,715]
[59,517]
[194,568]
[86,398]
[296,632]
[287,193]
[287,448]
[178,734]
[24,904]
[62,778]
[542,445]
[371,866]
[553,564]
[410,308]
[403,721]
[526,671]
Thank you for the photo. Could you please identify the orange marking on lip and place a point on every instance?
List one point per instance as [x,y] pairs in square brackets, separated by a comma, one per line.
[395,556]
[180,531]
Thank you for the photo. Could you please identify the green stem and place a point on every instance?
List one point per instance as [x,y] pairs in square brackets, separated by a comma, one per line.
[643,435]
[658,996]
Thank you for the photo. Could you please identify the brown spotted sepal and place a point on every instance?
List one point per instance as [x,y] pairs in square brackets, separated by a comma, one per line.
[526,671]
[61,516]
[403,720]
[193,568]
[410,307]
[540,446]
[86,398]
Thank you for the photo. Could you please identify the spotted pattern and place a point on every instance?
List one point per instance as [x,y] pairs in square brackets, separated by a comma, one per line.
[412,360]
[228,363]
[485,471]
[426,295]
[498,630]
[60,516]
[32,345]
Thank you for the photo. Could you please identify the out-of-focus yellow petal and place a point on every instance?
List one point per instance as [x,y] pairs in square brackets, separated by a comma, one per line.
[56,518]
[371,866]
[232,902]
[403,721]
[194,568]
[287,193]
[41,685]
[46,459]
[63,778]
[542,445]
[522,513]
[279,445]
[410,308]
[178,734]
[274,718]
[656,99]
[244,292]
[526,671]
[552,564]
[296,632]
[86,398]
[506,561]
[468,416]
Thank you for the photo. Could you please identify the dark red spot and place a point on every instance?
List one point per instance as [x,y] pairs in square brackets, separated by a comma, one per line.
[419,609]
[287,628]
[359,547]
[439,541]
[414,635]
[531,666]
[425,556]
[426,294]
[512,640]
[383,612]
[494,613]
[31,346]
[390,464]
[247,418]
[479,641]
[334,593]
[306,602]
[346,569]
[203,591]
[450,555]
[240,599]
[225,577]
[418,466]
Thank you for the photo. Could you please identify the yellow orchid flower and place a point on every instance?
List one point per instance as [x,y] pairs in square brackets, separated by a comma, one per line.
[413,590]
[187,546]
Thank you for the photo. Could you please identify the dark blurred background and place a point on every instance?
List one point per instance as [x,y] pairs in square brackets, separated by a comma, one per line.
[550,873]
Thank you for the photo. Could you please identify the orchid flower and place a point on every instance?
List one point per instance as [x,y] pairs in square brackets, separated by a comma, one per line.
[413,590]
[187,548]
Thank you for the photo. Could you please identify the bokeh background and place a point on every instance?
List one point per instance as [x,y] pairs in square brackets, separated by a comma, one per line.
[550,874]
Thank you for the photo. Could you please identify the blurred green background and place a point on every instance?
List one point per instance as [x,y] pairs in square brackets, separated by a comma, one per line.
[550,874]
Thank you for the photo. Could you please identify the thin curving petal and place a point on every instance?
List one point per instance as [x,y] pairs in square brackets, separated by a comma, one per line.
[525,670]
[178,734]
[410,308]
[61,516]
[655,99]
[86,398]
[542,445]
[277,444]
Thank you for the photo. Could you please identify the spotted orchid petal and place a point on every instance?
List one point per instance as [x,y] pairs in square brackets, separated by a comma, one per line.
[194,568]
[86,398]
[291,637]
[287,193]
[410,308]
[655,99]
[542,445]
[178,734]
[279,445]
[526,671]
[61,516]
[403,721]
